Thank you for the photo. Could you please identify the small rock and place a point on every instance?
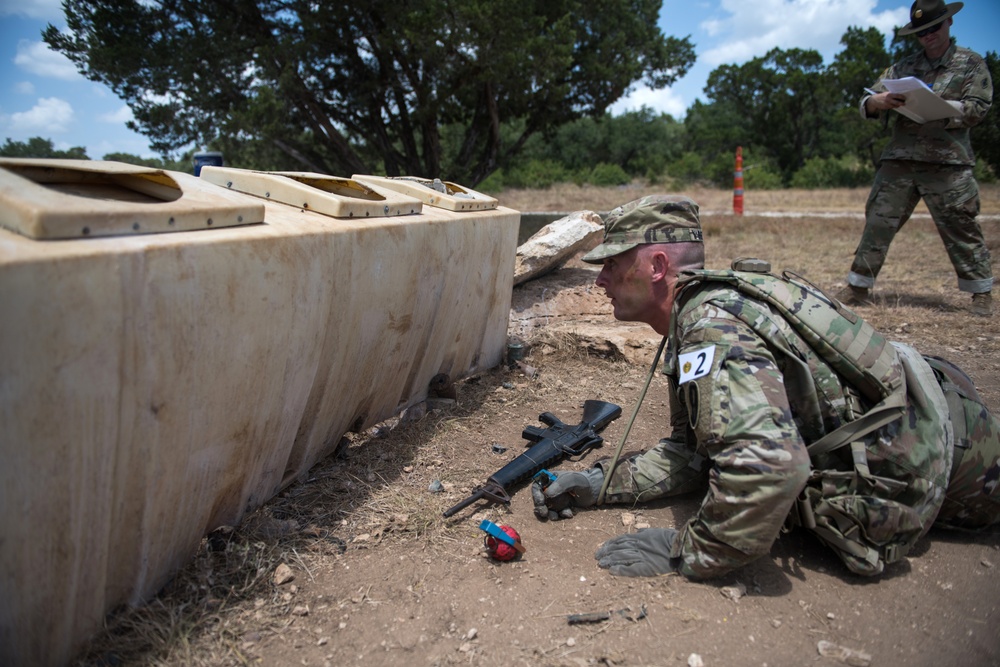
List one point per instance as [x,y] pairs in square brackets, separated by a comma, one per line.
[282,575]
[436,486]
[471,634]
[571,641]
[775,623]
[694,660]
[300,610]
[845,655]
[628,519]
[986,563]
[323,641]
[734,593]
[465,647]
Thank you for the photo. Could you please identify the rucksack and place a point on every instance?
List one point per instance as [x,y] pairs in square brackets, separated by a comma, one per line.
[851,511]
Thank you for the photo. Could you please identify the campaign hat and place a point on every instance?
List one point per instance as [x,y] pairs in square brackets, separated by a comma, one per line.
[927,13]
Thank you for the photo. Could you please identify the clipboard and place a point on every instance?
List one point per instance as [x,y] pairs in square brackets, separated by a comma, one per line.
[922,103]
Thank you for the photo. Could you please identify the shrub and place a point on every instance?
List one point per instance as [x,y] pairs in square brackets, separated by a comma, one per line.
[831,172]
[492,184]
[604,174]
[984,172]
[761,177]
[539,174]
[688,168]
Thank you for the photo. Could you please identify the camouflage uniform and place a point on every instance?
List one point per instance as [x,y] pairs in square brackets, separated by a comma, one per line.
[934,161]
[744,405]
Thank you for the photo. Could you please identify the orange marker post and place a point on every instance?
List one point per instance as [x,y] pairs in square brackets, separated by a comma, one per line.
[738,183]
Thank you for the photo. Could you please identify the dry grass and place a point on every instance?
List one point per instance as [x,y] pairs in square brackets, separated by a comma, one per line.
[570,197]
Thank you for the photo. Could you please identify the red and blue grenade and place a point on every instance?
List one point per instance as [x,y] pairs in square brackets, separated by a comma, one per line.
[502,542]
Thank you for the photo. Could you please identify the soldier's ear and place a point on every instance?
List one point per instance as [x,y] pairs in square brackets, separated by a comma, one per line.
[660,265]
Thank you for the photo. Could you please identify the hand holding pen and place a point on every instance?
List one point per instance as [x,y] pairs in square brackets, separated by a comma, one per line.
[883,101]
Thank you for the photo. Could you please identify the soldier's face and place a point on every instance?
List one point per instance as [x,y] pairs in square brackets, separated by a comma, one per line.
[626,280]
[937,42]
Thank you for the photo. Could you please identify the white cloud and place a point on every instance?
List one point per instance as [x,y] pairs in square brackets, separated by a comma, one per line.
[46,10]
[24,88]
[50,115]
[661,101]
[752,29]
[119,117]
[37,58]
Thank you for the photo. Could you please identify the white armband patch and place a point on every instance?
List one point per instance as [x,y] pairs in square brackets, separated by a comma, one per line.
[696,364]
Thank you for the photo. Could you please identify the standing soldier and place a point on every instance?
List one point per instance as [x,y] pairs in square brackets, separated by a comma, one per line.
[932,160]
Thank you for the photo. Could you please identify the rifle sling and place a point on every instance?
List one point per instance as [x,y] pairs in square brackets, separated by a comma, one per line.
[628,427]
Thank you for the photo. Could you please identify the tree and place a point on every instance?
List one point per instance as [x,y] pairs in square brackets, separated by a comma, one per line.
[711,134]
[782,102]
[640,142]
[39,147]
[185,163]
[986,136]
[370,84]
[858,66]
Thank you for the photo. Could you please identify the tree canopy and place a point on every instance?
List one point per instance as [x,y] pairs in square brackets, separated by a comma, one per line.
[418,87]
[40,147]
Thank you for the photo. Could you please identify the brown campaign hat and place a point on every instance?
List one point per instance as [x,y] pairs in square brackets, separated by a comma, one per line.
[927,13]
[651,219]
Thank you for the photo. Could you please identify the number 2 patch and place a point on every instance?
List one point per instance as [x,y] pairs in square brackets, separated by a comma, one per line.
[696,364]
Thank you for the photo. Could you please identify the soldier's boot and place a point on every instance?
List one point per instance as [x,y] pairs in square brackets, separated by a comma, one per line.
[982,304]
[855,296]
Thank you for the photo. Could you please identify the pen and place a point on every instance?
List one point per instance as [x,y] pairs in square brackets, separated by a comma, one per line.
[870,91]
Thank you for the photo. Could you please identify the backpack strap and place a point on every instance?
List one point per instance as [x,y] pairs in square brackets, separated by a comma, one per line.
[888,410]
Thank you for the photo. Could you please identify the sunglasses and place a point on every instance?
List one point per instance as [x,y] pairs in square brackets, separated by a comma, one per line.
[931,30]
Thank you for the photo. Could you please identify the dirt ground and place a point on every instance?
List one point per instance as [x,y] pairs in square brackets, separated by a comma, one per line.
[355,564]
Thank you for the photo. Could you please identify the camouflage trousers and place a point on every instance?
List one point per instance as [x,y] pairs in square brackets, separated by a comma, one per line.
[952,196]
[973,496]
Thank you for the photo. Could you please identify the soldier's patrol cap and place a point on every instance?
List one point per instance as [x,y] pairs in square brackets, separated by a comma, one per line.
[650,219]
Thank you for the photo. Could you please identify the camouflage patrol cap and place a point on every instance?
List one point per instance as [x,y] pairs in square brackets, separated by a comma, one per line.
[651,219]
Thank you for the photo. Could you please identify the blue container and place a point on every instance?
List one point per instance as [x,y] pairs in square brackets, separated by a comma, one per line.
[211,158]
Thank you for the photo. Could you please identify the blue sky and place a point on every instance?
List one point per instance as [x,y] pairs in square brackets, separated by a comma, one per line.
[41,94]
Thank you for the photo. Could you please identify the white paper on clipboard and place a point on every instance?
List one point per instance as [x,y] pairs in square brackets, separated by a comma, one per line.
[922,103]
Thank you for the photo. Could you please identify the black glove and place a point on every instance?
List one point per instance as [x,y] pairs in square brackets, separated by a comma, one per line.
[642,554]
[570,489]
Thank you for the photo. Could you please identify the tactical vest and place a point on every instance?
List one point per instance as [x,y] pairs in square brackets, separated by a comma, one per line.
[851,511]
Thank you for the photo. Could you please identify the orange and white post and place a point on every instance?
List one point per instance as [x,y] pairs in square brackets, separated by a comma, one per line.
[738,183]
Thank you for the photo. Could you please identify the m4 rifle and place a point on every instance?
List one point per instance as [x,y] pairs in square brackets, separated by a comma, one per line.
[552,444]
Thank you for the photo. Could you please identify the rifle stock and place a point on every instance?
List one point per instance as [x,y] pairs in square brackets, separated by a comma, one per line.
[552,444]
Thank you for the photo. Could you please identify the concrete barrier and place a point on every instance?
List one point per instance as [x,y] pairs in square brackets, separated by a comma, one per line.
[155,386]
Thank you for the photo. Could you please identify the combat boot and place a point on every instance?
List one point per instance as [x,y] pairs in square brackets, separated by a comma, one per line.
[982,304]
[855,296]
